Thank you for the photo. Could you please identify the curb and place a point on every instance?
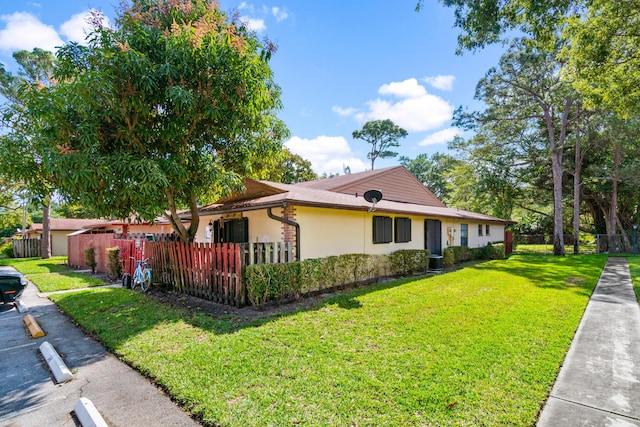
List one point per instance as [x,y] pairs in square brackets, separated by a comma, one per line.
[87,414]
[21,307]
[58,368]
[32,325]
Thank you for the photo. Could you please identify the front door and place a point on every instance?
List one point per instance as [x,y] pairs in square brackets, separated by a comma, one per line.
[433,236]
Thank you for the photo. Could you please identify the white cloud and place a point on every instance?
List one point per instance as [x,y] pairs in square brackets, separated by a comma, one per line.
[415,111]
[279,14]
[440,137]
[420,114]
[23,31]
[254,24]
[405,89]
[327,154]
[345,112]
[440,81]
[78,26]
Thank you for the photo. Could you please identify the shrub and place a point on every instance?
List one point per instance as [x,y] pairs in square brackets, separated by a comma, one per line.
[448,257]
[90,258]
[7,249]
[113,261]
[494,251]
[279,282]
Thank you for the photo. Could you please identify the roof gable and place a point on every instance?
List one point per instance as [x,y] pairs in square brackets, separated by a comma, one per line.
[396,184]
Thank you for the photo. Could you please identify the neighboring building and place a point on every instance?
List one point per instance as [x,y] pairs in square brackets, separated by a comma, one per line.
[331,217]
[62,227]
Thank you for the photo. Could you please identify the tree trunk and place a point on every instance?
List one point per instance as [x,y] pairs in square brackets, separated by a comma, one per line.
[556,148]
[46,228]
[612,227]
[576,198]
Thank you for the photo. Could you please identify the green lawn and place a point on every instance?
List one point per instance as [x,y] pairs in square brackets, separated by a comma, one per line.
[51,274]
[634,269]
[479,346]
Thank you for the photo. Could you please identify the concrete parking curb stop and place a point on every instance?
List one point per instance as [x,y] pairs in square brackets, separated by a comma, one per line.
[32,325]
[87,413]
[21,307]
[58,368]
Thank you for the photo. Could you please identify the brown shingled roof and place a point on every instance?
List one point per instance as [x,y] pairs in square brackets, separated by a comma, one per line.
[396,184]
[301,195]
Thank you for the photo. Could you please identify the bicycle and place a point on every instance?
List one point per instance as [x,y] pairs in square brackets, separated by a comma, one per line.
[141,276]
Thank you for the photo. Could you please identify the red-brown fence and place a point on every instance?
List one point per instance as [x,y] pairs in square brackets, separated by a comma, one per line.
[206,270]
[77,244]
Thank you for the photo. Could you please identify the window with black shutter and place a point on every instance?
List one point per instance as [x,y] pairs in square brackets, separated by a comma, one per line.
[382,229]
[402,229]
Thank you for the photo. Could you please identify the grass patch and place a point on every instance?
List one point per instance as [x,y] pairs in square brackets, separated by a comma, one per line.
[51,274]
[634,270]
[479,346]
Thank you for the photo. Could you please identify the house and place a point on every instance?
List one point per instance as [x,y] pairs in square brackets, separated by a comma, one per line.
[60,228]
[63,227]
[332,217]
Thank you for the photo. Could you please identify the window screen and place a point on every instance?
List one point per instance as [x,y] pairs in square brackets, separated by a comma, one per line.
[402,230]
[382,229]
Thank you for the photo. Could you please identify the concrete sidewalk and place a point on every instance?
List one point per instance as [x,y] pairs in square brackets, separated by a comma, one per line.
[599,383]
[30,397]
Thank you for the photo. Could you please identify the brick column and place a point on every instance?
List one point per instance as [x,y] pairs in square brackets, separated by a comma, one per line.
[289,231]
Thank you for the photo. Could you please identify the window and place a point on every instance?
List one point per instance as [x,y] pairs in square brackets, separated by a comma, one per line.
[487,230]
[464,235]
[231,231]
[479,229]
[402,230]
[382,229]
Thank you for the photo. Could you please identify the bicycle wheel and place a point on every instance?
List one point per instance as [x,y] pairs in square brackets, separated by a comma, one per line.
[137,279]
[146,280]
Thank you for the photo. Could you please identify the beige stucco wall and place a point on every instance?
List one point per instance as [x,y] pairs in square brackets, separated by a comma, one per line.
[59,243]
[474,241]
[261,227]
[325,232]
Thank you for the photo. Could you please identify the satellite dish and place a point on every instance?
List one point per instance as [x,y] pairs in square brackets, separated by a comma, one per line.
[372,196]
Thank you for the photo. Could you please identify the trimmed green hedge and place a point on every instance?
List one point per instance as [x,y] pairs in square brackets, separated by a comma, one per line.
[279,282]
[458,254]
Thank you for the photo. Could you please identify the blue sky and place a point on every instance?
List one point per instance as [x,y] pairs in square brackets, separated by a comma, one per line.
[339,64]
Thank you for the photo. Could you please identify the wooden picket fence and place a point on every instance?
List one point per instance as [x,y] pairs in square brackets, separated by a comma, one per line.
[27,248]
[211,271]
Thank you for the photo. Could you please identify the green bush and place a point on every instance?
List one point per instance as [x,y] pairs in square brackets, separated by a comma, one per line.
[7,249]
[113,261]
[90,258]
[280,282]
[494,251]
[448,257]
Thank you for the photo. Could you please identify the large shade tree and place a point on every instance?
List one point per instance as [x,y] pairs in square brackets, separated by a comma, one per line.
[23,154]
[168,110]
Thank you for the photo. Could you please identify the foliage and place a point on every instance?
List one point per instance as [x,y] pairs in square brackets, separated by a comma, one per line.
[383,135]
[434,172]
[24,158]
[448,257]
[287,168]
[90,258]
[281,282]
[171,108]
[7,249]
[479,346]
[114,263]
